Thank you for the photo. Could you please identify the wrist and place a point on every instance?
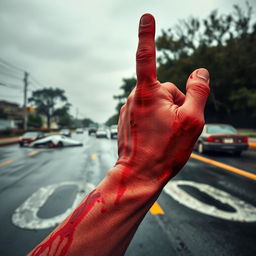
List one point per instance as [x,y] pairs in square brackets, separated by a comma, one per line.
[150,169]
[130,181]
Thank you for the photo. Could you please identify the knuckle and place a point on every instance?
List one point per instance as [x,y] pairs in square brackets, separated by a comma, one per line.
[192,121]
[144,53]
[199,89]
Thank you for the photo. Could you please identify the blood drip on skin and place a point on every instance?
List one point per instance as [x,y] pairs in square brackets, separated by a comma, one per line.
[103,209]
[127,170]
[65,234]
[122,184]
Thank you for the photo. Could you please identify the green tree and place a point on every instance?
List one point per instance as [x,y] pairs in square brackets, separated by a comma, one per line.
[126,87]
[112,120]
[46,102]
[87,121]
[65,120]
[225,45]
[35,121]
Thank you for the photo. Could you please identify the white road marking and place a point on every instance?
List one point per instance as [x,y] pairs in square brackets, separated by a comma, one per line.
[26,217]
[244,212]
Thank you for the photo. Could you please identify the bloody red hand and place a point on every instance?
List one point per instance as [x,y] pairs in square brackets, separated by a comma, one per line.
[159,125]
[157,129]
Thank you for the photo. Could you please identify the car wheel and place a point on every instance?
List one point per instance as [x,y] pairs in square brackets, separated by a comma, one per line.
[21,144]
[60,144]
[200,148]
[50,144]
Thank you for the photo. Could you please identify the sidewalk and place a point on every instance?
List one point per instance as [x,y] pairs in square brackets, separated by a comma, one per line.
[8,141]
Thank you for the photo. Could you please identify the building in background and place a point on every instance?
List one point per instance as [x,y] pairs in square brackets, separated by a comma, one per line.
[11,115]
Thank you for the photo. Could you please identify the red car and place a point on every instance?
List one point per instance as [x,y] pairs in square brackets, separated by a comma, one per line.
[29,137]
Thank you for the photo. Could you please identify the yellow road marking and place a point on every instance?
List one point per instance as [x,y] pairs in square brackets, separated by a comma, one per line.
[156,209]
[93,156]
[32,153]
[6,162]
[225,166]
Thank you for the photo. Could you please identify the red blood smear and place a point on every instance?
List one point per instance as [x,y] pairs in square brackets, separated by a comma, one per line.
[127,170]
[67,231]
[122,184]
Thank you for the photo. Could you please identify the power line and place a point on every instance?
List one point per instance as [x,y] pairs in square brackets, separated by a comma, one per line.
[4,73]
[33,85]
[9,96]
[12,65]
[36,81]
[13,86]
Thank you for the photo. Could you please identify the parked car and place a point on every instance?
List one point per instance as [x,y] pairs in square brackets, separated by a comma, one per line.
[29,137]
[65,132]
[113,131]
[92,129]
[101,133]
[52,141]
[79,130]
[221,137]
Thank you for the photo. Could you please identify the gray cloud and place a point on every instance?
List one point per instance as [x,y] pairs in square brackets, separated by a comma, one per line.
[84,47]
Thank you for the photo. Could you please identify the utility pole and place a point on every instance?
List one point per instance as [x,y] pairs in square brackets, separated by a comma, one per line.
[25,111]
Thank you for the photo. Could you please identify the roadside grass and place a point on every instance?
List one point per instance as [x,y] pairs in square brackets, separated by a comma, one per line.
[251,134]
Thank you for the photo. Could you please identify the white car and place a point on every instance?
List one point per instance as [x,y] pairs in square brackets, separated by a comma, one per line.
[113,131]
[79,130]
[55,141]
[101,133]
[65,132]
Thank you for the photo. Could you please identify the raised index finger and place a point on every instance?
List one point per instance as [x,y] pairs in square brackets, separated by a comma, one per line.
[146,52]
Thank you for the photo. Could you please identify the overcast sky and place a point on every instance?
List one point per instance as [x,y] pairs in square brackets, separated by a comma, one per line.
[84,47]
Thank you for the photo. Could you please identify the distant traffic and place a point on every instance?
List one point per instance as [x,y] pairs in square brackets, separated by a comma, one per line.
[64,136]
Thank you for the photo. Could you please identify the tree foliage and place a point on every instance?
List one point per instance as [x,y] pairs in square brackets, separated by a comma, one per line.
[87,121]
[50,102]
[225,45]
[34,121]
[65,120]
[126,87]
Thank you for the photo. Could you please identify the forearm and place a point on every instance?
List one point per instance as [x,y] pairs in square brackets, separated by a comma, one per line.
[105,221]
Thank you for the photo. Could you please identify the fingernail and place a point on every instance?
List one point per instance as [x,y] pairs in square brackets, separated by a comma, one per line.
[203,74]
[146,19]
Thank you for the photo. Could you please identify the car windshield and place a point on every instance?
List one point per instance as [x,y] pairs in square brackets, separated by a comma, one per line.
[220,129]
[113,126]
[30,134]
[64,130]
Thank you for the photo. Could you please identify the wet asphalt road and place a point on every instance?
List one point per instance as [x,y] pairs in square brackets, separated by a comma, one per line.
[191,219]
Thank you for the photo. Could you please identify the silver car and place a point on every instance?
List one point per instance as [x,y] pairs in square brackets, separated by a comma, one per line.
[55,141]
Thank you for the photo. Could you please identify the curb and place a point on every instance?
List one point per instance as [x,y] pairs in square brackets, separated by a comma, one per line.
[8,143]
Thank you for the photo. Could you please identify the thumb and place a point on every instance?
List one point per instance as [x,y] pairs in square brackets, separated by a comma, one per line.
[197,91]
